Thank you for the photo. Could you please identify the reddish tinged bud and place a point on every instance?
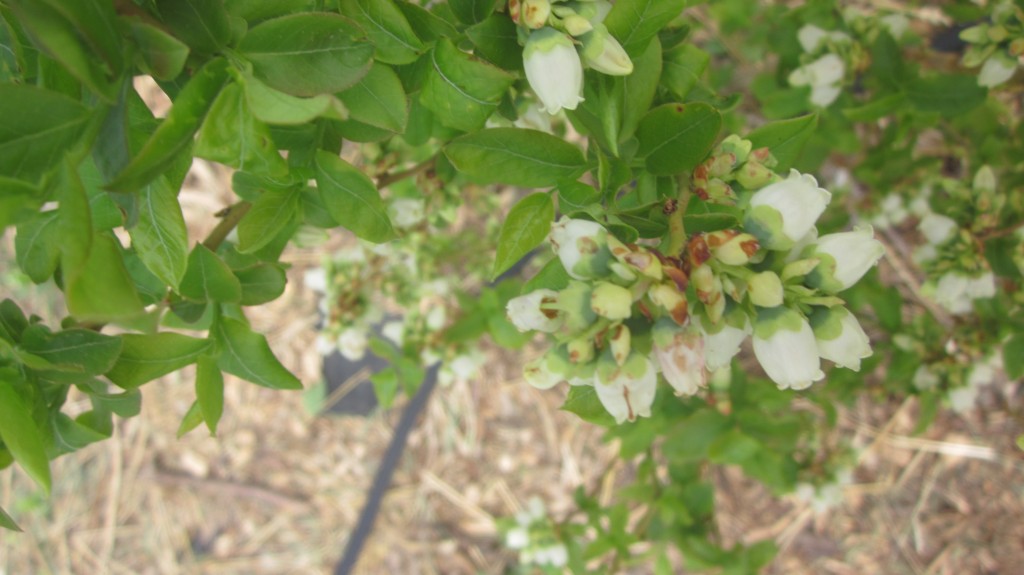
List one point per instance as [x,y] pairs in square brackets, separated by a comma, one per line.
[698,251]
[513,10]
[678,277]
[761,155]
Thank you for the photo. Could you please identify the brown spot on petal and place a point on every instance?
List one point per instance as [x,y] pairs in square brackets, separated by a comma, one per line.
[639,260]
[644,310]
[587,246]
[760,154]
[702,193]
[701,172]
[720,238]
[698,251]
[750,246]
[680,313]
[629,407]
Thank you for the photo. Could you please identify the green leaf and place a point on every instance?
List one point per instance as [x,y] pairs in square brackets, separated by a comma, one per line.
[202,24]
[160,237]
[705,223]
[733,447]
[691,438]
[74,222]
[269,215]
[684,65]
[246,354]
[20,434]
[208,278]
[427,25]
[261,283]
[639,88]
[635,22]
[1013,356]
[496,41]
[576,197]
[460,89]
[308,54]
[79,350]
[37,246]
[163,56]
[525,227]
[209,392]
[176,131]
[97,25]
[275,107]
[70,436]
[949,94]
[19,201]
[34,139]
[7,522]
[193,417]
[785,139]
[147,357]
[551,276]
[387,28]
[378,100]
[102,290]
[232,136]
[472,11]
[675,138]
[515,156]
[583,402]
[12,320]
[352,199]
[58,37]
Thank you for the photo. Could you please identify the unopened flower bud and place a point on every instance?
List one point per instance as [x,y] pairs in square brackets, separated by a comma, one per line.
[576,25]
[582,246]
[619,342]
[668,298]
[785,347]
[731,247]
[753,175]
[527,312]
[581,350]
[975,34]
[721,164]
[611,301]
[998,69]
[550,369]
[535,13]
[719,192]
[799,268]
[737,146]
[765,289]
[703,278]
[984,180]
[602,52]
[574,305]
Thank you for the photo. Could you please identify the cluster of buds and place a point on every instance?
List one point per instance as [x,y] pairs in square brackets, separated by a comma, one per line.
[825,72]
[630,312]
[558,38]
[733,161]
[996,46]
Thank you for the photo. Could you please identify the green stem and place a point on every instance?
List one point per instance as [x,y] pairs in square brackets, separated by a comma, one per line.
[676,228]
[385,180]
[231,216]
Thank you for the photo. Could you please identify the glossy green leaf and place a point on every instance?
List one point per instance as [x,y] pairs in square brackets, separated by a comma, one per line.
[387,28]
[638,88]
[74,222]
[352,198]
[79,350]
[378,100]
[525,227]
[208,278]
[160,237]
[635,22]
[684,65]
[45,127]
[162,55]
[12,320]
[59,38]
[551,276]
[577,197]
[460,89]
[70,436]
[102,290]
[472,11]
[275,107]
[270,214]
[785,139]
[246,354]
[96,23]
[20,434]
[256,10]
[37,247]
[232,136]
[261,283]
[675,138]
[210,392]
[127,404]
[176,131]
[583,402]
[147,357]
[427,25]
[496,41]
[515,156]
[202,24]
[308,54]
[7,522]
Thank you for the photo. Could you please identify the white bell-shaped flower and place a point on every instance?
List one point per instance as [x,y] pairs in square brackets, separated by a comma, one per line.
[723,345]
[626,391]
[352,343]
[680,354]
[840,337]
[785,347]
[781,214]
[844,258]
[527,313]
[553,69]
[996,70]
[824,76]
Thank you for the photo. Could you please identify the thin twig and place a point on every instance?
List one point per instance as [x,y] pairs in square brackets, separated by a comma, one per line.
[231,216]
[385,180]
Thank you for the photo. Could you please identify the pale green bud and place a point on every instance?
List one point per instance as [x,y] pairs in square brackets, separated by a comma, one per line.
[602,52]
[576,25]
[581,350]
[798,268]
[732,247]
[720,192]
[619,343]
[534,13]
[574,303]
[753,175]
[736,146]
[611,301]
[668,298]
[765,289]
[998,69]
[975,34]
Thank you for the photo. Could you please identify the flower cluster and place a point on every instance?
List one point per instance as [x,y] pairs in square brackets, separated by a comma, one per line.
[558,38]
[824,74]
[533,536]
[629,312]
[996,46]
